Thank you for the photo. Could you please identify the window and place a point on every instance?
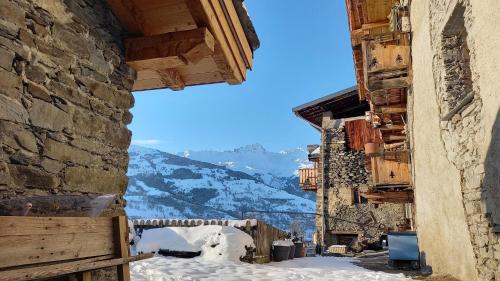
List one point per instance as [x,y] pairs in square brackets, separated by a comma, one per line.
[456,58]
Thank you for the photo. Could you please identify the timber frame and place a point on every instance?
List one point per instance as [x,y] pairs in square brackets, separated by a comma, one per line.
[178,43]
[380,42]
[35,248]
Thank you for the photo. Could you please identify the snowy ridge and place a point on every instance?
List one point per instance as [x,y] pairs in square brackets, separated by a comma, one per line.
[163,185]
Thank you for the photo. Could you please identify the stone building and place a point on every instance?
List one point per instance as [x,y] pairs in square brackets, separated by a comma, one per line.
[455,101]
[67,70]
[341,176]
[451,96]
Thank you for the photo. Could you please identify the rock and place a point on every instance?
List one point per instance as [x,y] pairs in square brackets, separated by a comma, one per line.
[27,38]
[11,12]
[26,140]
[127,117]
[99,107]
[95,180]
[87,124]
[90,145]
[39,92]
[71,94]
[4,174]
[116,136]
[6,59]
[71,40]
[10,84]
[65,152]
[35,73]
[12,110]
[31,177]
[52,166]
[47,116]
[22,158]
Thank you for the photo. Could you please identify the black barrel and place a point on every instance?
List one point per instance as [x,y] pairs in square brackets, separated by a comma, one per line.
[280,253]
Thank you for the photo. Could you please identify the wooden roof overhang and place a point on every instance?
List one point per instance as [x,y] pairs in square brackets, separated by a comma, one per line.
[366,18]
[178,43]
[342,104]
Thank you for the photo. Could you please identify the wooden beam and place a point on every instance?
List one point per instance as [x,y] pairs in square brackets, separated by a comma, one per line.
[48,271]
[122,250]
[405,196]
[389,109]
[238,32]
[172,79]
[169,50]
[204,16]
[128,15]
[392,128]
[374,85]
[86,276]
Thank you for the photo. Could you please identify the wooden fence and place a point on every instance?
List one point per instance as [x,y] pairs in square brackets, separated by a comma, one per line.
[262,233]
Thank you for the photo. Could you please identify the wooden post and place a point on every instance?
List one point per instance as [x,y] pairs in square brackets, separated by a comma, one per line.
[122,250]
[86,276]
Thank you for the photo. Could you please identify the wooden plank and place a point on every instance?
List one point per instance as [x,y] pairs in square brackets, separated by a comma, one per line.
[53,225]
[389,109]
[204,17]
[122,249]
[164,16]
[378,9]
[238,33]
[400,197]
[172,79]
[169,50]
[30,249]
[49,271]
[228,35]
[127,13]
[388,84]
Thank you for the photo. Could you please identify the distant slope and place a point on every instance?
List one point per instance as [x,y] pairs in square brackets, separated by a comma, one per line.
[164,185]
[277,169]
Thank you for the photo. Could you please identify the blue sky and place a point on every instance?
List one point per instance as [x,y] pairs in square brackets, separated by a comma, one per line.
[304,55]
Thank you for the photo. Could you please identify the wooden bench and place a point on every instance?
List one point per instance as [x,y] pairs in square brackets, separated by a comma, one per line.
[33,248]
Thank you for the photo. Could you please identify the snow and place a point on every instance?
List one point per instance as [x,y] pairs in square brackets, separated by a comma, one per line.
[254,158]
[312,268]
[283,243]
[216,243]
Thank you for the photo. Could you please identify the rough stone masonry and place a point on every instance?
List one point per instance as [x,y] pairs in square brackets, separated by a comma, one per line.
[65,95]
[344,173]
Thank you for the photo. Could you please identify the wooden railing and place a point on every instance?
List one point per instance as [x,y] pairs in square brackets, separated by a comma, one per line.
[308,179]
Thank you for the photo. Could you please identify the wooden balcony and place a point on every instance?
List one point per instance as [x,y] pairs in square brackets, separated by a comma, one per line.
[308,179]
[381,197]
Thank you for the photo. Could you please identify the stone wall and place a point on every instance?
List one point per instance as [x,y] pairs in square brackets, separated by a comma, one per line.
[344,172]
[457,211]
[65,94]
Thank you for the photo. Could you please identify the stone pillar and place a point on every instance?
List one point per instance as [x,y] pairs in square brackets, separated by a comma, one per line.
[65,95]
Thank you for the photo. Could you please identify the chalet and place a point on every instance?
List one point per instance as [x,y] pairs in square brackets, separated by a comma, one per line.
[428,70]
[361,193]
[67,70]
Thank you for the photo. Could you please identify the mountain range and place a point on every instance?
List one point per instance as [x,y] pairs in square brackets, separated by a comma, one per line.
[219,184]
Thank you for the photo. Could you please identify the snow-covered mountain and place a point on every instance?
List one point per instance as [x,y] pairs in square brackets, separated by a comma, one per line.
[254,159]
[164,185]
[277,169]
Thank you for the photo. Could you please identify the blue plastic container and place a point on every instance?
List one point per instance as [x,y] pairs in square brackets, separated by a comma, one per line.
[403,246]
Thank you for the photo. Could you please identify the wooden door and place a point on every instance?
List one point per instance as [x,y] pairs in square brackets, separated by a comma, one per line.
[392,168]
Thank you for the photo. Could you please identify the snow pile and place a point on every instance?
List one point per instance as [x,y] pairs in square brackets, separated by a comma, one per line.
[284,243]
[318,268]
[242,223]
[216,243]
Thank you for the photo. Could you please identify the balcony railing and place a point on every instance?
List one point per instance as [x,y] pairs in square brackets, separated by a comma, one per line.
[308,179]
